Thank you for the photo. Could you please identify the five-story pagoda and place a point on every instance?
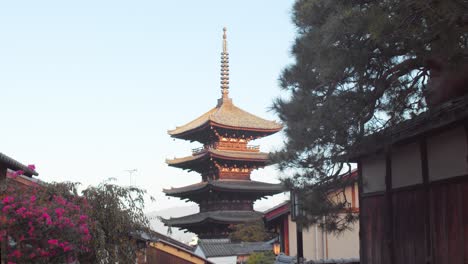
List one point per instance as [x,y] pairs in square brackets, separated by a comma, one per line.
[226,193]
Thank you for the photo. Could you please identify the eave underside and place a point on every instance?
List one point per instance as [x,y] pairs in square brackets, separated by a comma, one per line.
[242,187]
[221,154]
[206,132]
[219,217]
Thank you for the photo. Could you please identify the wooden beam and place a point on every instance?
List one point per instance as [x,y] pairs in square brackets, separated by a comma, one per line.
[362,246]
[389,206]
[427,200]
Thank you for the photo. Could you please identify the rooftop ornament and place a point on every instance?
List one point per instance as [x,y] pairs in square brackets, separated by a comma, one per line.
[225,68]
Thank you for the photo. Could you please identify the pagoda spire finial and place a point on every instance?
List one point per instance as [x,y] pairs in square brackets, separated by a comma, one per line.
[225,68]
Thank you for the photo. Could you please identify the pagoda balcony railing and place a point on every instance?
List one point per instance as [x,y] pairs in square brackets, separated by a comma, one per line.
[227,146]
[197,151]
[236,146]
[255,148]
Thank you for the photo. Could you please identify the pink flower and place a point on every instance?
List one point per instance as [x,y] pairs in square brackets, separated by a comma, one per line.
[31,230]
[16,254]
[6,208]
[60,200]
[83,218]
[66,248]
[8,199]
[17,173]
[21,211]
[31,167]
[33,198]
[59,212]
[52,242]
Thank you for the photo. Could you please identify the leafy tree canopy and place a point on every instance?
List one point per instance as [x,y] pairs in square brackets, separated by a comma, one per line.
[360,66]
[98,226]
[261,258]
[250,232]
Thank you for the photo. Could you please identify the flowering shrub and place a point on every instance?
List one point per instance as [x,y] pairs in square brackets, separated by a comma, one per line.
[42,227]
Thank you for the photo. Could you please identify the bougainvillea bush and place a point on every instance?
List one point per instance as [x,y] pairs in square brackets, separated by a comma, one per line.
[40,225]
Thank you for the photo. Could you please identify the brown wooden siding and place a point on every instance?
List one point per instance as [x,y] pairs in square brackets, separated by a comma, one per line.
[373,232]
[409,228]
[448,225]
[156,256]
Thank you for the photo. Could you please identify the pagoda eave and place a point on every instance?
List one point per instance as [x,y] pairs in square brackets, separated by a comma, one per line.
[266,131]
[253,188]
[218,217]
[205,131]
[254,157]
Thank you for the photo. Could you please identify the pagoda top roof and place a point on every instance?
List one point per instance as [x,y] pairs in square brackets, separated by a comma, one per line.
[223,154]
[227,185]
[227,115]
[227,217]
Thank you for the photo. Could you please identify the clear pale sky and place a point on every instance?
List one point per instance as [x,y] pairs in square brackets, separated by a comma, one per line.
[90,88]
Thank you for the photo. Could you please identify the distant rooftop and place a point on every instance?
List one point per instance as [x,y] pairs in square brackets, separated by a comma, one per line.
[223,247]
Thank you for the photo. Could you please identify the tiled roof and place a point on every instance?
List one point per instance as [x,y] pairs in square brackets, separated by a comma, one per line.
[284,259]
[154,236]
[15,165]
[223,248]
[214,216]
[226,114]
[450,112]
[277,211]
[236,185]
[222,154]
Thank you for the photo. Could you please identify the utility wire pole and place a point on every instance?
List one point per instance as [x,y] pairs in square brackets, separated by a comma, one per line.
[131,172]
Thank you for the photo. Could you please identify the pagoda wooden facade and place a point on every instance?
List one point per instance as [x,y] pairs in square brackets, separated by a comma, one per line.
[226,193]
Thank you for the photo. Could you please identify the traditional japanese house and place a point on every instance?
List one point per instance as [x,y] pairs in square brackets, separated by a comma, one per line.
[317,244]
[226,192]
[156,248]
[414,189]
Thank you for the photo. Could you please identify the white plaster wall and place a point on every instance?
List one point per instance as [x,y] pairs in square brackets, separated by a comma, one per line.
[448,154]
[406,165]
[292,237]
[224,260]
[308,236]
[345,245]
[373,174]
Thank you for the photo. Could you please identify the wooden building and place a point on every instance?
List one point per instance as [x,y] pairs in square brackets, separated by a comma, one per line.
[414,189]
[317,243]
[156,248]
[226,193]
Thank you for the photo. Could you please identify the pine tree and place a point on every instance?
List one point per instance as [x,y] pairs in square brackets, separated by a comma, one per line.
[360,66]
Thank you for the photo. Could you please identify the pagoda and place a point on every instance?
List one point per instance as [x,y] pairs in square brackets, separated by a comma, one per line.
[226,193]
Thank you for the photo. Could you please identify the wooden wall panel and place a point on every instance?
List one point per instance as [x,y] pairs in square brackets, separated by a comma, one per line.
[156,256]
[409,228]
[465,221]
[374,241]
[449,218]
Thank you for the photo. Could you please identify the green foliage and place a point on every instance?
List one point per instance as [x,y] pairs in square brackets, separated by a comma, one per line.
[360,66]
[118,215]
[250,232]
[261,258]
